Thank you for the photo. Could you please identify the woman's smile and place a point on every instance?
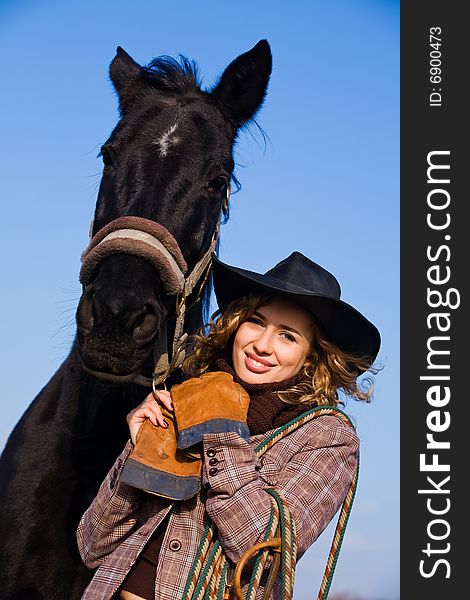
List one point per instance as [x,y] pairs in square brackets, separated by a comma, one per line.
[257,364]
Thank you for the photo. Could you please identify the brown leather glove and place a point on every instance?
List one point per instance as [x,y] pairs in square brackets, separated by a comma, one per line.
[212,403]
[157,466]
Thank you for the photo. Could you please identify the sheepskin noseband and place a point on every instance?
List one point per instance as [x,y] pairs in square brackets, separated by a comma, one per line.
[140,237]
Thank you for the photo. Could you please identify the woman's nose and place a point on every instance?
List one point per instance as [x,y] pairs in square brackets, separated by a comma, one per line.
[263,343]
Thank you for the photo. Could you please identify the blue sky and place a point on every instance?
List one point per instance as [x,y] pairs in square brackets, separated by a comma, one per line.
[326,184]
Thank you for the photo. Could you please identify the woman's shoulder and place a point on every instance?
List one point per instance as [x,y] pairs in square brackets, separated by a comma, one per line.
[327,430]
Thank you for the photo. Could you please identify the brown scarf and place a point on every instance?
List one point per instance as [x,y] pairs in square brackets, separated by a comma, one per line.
[267,411]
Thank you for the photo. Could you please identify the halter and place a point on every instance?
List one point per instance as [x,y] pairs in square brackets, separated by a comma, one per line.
[153,242]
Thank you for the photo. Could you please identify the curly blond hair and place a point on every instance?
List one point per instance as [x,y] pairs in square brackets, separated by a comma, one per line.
[328,370]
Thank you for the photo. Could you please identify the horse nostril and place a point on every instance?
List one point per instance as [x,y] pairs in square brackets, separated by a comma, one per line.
[145,324]
[85,313]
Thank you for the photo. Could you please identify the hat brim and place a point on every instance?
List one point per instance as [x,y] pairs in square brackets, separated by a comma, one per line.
[343,325]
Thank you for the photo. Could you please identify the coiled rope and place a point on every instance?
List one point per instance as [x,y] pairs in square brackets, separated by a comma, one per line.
[213,575]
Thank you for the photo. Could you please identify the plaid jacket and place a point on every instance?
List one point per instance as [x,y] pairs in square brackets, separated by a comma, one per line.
[313,467]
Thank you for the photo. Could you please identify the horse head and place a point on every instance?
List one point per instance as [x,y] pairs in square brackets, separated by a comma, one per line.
[166,178]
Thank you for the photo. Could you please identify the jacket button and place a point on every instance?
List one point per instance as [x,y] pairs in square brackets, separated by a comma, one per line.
[213,461]
[175,545]
[213,471]
[211,452]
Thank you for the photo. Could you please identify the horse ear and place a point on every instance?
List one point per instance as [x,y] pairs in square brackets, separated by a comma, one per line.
[125,75]
[242,87]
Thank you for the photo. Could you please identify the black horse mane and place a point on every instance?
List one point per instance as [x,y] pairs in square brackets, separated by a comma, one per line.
[167,74]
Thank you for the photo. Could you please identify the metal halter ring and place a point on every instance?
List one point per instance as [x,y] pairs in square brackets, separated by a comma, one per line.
[154,388]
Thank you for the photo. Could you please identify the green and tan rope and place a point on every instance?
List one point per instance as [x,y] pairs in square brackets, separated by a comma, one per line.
[211,574]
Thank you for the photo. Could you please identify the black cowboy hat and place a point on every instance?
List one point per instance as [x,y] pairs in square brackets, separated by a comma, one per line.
[301,280]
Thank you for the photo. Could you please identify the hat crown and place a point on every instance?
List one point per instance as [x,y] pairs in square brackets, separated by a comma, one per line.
[299,271]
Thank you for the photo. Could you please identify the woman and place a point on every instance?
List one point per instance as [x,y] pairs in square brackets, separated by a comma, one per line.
[291,343]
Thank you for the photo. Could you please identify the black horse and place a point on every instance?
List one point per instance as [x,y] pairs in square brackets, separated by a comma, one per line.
[167,170]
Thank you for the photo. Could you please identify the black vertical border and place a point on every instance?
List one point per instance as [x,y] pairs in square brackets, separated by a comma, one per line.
[425,129]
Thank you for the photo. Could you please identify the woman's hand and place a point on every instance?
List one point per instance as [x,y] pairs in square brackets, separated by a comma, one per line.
[149,409]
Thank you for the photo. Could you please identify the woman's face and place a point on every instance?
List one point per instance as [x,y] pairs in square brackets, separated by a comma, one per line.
[273,344]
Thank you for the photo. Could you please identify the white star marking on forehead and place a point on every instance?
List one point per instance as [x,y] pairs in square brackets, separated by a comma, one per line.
[167,140]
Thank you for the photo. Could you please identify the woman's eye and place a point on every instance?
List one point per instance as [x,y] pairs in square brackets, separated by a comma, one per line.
[255,321]
[218,185]
[288,336]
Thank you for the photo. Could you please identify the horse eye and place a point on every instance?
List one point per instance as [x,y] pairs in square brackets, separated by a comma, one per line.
[106,157]
[218,185]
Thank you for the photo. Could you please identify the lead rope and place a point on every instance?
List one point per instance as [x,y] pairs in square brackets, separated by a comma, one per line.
[213,576]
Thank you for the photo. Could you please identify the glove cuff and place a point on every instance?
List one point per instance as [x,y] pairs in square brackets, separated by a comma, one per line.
[192,435]
[159,482]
